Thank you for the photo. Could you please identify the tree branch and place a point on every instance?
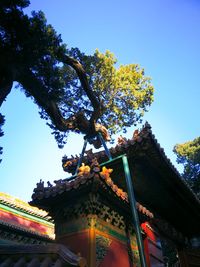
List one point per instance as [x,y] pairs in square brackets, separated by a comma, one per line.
[84,82]
[77,121]
[32,85]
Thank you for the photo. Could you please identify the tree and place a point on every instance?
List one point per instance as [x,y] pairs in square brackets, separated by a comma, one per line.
[189,155]
[1,132]
[72,90]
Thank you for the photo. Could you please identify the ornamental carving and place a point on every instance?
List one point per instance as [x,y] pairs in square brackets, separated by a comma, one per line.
[93,206]
[102,246]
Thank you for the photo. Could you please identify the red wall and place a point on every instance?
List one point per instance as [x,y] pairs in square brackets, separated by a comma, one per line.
[117,256]
[25,223]
[153,250]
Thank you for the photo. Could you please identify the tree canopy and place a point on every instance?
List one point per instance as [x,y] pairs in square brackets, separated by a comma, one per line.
[73,90]
[189,155]
[1,132]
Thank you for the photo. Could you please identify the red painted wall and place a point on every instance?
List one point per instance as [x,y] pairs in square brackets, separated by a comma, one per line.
[117,256]
[153,250]
[25,223]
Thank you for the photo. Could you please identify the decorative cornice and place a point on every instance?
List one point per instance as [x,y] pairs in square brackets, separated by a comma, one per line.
[93,207]
[21,232]
[86,175]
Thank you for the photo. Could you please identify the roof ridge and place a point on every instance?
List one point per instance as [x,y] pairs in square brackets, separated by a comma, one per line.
[168,160]
[19,204]
[85,174]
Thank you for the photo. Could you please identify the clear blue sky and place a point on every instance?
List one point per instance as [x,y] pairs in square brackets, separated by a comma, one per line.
[162,36]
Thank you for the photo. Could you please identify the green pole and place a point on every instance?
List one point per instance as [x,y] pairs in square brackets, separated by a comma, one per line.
[134,213]
[81,157]
[105,146]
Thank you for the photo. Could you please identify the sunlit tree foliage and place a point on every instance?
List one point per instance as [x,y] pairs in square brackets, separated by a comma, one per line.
[188,154]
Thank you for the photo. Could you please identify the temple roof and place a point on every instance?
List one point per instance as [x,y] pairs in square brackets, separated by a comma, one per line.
[157,183]
[87,177]
[39,255]
[23,206]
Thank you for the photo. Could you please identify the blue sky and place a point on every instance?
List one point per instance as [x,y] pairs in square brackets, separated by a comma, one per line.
[162,36]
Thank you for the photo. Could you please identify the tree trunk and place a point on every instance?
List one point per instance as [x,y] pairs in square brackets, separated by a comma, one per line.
[91,95]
